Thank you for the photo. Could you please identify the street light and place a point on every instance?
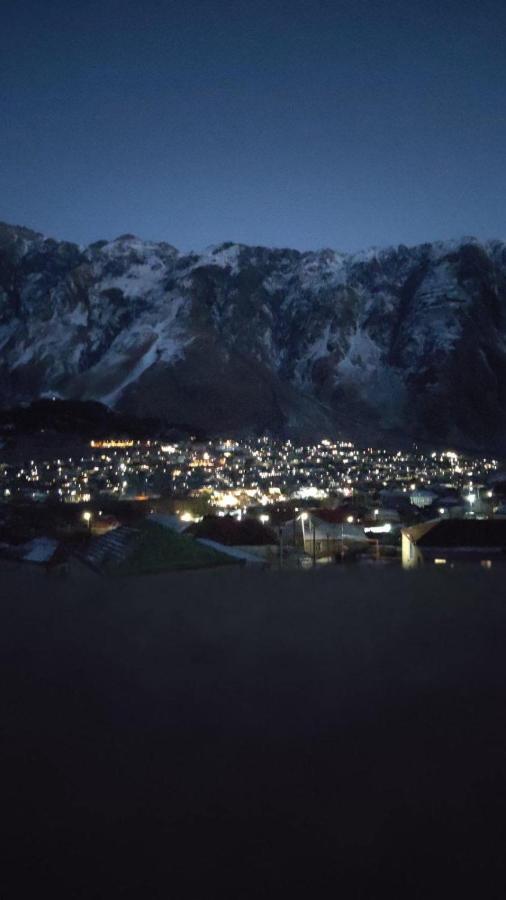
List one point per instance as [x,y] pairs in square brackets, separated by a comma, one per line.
[303,518]
[87,516]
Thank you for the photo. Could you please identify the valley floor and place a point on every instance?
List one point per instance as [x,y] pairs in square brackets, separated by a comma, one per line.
[240,733]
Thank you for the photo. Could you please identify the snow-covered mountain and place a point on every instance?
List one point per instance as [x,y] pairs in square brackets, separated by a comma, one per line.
[397,341]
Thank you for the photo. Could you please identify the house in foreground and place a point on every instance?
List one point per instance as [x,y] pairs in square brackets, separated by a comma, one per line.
[247,540]
[148,549]
[449,541]
[325,533]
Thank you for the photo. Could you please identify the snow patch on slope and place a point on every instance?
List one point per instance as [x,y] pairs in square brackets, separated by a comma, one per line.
[226,257]
[435,322]
[156,341]
[140,279]
[319,347]
[78,316]
[323,270]
[362,358]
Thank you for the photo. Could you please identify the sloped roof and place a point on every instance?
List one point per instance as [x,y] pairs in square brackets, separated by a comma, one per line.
[174,523]
[235,552]
[112,547]
[339,514]
[40,550]
[149,548]
[234,533]
[461,533]
[416,532]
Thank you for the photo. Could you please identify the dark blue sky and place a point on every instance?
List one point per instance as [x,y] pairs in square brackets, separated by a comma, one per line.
[303,124]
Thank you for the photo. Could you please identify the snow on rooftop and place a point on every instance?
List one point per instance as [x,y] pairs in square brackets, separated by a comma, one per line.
[40,550]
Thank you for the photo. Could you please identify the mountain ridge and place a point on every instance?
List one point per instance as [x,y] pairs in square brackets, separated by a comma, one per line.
[445,245]
[250,339]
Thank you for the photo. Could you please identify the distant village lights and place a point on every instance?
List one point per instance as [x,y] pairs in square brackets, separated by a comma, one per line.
[111,444]
[258,474]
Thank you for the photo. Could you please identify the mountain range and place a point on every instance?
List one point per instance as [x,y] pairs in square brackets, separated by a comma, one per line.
[401,343]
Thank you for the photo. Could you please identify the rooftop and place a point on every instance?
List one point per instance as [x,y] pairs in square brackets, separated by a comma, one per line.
[460,533]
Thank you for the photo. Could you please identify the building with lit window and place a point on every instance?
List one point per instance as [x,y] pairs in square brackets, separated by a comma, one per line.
[450,541]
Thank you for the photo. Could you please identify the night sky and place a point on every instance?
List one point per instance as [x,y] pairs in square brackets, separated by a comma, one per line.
[303,124]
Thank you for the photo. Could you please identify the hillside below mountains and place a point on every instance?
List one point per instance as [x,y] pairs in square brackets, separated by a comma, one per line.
[394,343]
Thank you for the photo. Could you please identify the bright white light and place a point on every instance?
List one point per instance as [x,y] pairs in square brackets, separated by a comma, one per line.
[350,519]
[441,510]
[227,500]
[471,498]
[305,493]
[379,529]
[304,516]
[264,518]
[87,516]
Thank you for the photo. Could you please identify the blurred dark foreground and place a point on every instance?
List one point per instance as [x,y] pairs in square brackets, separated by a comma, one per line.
[254,734]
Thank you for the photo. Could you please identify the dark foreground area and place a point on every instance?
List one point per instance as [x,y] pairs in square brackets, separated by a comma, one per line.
[254,734]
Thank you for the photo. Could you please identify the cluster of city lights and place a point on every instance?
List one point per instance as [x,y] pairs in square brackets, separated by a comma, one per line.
[232,475]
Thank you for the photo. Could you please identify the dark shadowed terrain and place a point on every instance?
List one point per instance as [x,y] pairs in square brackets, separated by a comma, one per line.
[392,345]
[254,734]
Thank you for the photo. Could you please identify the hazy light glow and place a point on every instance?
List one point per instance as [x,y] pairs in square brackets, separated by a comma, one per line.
[379,529]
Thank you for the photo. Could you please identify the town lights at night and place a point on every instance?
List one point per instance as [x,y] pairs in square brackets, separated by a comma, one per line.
[261,478]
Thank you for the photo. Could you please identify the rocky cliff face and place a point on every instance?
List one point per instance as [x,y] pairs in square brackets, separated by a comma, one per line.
[401,341]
